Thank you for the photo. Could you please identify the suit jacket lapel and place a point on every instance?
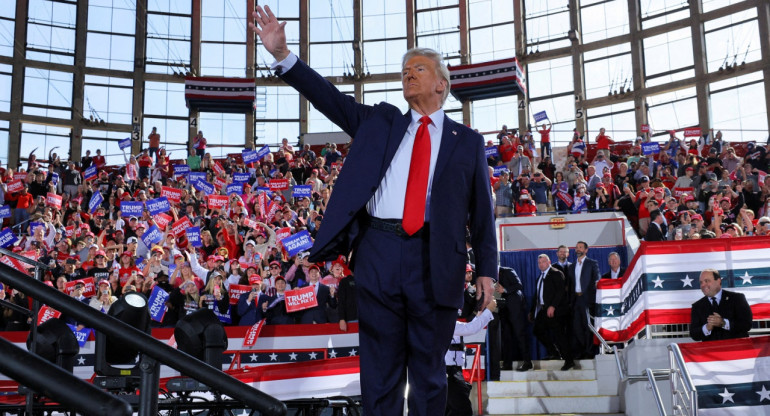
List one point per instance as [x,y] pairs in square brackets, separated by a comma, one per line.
[397,132]
[449,139]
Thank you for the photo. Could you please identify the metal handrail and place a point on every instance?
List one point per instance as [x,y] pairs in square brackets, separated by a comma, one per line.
[689,394]
[476,373]
[655,391]
[604,343]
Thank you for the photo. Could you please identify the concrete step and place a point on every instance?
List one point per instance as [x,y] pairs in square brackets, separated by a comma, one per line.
[556,364]
[553,405]
[542,388]
[543,375]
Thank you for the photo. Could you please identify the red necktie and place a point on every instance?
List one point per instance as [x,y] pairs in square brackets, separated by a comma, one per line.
[417,184]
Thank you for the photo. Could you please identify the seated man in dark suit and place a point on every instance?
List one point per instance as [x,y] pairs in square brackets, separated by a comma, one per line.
[616,272]
[324,295]
[720,314]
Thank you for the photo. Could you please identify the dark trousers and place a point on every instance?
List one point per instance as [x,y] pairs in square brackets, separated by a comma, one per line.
[402,332]
[516,327]
[458,393]
[582,338]
[552,333]
[545,150]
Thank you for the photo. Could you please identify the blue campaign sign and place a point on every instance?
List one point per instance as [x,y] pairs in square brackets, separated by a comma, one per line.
[491,151]
[5,211]
[241,176]
[263,189]
[297,242]
[82,335]
[650,148]
[263,152]
[302,191]
[33,225]
[7,238]
[158,205]
[55,178]
[157,303]
[194,236]
[234,188]
[540,116]
[225,318]
[152,236]
[250,156]
[124,143]
[95,202]
[90,173]
[204,186]
[180,170]
[131,208]
[499,169]
[196,176]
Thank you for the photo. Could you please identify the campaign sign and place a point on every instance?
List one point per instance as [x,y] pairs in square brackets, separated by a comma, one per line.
[300,299]
[650,148]
[263,189]
[90,173]
[15,186]
[14,264]
[499,170]
[236,291]
[131,208]
[172,194]
[69,231]
[196,176]
[218,169]
[46,313]
[124,143]
[297,242]
[263,152]
[162,220]
[249,156]
[335,165]
[279,184]
[491,151]
[55,178]
[250,339]
[21,176]
[95,202]
[645,128]
[678,192]
[540,116]
[219,183]
[158,205]
[7,238]
[217,201]
[180,226]
[225,318]
[157,303]
[5,211]
[181,170]
[250,223]
[241,177]
[274,207]
[152,236]
[33,225]
[194,236]
[53,200]
[693,132]
[204,186]
[302,191]
[282,233]
[82,335]
[89,288]
[234,188]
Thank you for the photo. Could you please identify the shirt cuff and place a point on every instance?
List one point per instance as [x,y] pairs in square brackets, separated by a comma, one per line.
[706,332]
[727,324]
[284,65]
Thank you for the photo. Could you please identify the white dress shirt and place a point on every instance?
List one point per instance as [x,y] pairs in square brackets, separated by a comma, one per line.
[578,272]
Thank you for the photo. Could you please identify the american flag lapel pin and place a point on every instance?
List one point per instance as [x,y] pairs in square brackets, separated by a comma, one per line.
[454,132]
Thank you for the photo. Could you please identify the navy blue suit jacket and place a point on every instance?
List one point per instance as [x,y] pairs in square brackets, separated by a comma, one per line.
[250,313]
[460,195]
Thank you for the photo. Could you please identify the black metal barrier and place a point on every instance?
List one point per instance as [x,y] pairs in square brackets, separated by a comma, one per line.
[184,363]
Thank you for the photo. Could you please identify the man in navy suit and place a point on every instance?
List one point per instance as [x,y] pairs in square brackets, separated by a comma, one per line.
[324,296]
[412,183]
[720,314]
[583,275]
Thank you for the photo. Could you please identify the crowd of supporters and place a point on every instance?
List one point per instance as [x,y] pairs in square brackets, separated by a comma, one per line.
[679,189]
[688,188]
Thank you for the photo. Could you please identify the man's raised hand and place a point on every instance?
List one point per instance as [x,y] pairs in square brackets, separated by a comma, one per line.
[271,32]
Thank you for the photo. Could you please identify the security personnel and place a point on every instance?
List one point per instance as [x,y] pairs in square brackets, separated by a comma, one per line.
[515,316]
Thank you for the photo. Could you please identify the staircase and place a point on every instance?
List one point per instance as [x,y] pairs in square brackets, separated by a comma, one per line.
[591,388]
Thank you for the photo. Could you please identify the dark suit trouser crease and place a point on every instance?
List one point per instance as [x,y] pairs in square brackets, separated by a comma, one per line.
[553,334]
[582,338]
[517,320]
[400,327]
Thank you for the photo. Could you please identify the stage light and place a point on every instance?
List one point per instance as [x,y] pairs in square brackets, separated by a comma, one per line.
[131,309]
[203,336]
[56,343]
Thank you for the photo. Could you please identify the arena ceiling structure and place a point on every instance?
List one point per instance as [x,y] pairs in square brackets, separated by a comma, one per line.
[79,75]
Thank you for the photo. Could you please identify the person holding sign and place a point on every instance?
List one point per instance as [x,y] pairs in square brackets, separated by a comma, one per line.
[545,140]
[325,296]
[274,306]
[215,294]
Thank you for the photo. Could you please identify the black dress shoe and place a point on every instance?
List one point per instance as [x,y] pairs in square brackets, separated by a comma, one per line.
[507,367]
[524,366]
[567,365]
